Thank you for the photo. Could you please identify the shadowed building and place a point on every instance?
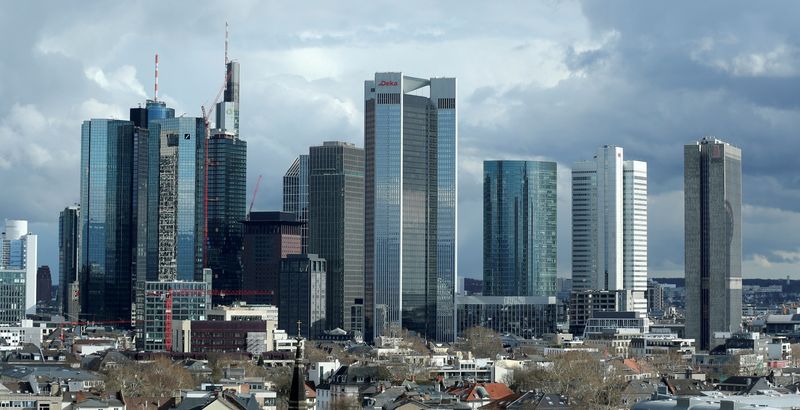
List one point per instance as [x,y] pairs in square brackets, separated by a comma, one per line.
[268,238]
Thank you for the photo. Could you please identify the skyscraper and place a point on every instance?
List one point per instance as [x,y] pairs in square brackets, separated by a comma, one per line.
[302,295]
[410,205]
[609,225]
[336,227]
[44,285]
[295,195]
[268,238]
[519,228]
[227,174]
[18,253]
[712,191]
[106,219]
[69,240]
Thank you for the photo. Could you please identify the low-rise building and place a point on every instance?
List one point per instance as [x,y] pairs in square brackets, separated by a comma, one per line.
[524,316]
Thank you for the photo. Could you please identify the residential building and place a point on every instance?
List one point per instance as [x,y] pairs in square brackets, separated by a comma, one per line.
[410,143]
[336,228]
[609,225]
[295,196]
[107,226]
[524,316]
[519,228]
[302,296]
[712,239]
[44,285]
[68,261]
[268,238]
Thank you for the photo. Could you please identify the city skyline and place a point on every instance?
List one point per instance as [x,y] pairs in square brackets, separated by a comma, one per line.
[734,82]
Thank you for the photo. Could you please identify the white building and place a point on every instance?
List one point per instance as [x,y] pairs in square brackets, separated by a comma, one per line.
[609,224]
[18,251]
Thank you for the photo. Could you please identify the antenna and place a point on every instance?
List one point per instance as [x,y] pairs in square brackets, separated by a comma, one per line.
[155,86]
[226,42]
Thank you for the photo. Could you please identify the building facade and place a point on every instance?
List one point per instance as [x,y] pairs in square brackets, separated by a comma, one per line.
[268,238]
[524,316]
[583,305]
[712,187]
[44,285]
[519,228]
[410,205]
[303,295]
[190,300]
[609,225]
[12,295]
[19,251]
[295,195]
[336,228]
[106,246]
[68,261]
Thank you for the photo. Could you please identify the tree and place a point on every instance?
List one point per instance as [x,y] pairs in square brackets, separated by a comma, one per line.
[667,363]
[795,354]
[346,403]
[482,342]
[159,378]
[281,379]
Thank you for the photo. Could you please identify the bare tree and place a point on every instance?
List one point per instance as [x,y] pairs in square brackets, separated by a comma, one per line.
[667,363]
[795,354]
[482,342]
[159,378]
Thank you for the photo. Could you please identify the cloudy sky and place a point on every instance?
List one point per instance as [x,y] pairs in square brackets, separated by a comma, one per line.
[542,79]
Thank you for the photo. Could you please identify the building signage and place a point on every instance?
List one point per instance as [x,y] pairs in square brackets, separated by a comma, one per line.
[385,83]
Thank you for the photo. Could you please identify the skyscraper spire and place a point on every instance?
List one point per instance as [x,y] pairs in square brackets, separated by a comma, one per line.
[155,86]
[226,43]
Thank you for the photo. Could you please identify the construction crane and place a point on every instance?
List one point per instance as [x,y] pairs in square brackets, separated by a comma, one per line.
[252,201]
[169,293]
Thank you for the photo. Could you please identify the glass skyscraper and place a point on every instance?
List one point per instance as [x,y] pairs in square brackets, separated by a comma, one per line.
[106,219]
[712,192]
[18,256]
[336,228]
[410,205]
[295,195]
[519,228]
[68,260]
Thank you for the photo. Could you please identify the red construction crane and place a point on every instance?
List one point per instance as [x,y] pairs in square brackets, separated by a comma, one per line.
[194,292]
[252,201]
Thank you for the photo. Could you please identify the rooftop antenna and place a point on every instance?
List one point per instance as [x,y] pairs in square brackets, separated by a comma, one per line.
[155,86]
[226,43]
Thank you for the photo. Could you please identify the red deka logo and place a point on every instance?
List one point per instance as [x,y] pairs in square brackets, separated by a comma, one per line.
[387,83]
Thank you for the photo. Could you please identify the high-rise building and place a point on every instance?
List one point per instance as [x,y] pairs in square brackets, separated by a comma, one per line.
[106,260]
[295,195]
[410,205]
[190,300]
[44,285]
[519,228]
[303,295]
[180,196]
[609,225]
[18,251]
[336,227]
[227,175]
[69,239]
[712,191]
[268,238]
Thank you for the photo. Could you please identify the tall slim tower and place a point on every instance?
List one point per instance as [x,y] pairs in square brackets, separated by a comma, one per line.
[336,228]
[712,186]
[68,260]
[519,228]
[609,225]
[410,205]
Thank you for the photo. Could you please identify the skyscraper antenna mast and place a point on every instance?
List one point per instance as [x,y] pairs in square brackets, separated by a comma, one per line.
[226,43]
[155,86]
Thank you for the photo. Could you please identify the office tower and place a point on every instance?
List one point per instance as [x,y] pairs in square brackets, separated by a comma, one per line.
[302,295]
[295,195]
[268,238]
[519,228]
[69,239]
[190,300]
[712,192]
[179,196]
[609,225]
[410,205]
[106,219]
[336,227]
[227,175]
[44,285]
[18,253]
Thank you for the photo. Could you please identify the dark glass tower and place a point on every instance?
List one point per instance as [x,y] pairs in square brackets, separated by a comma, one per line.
[336,227]
[295,195]
[410,205]
[106,219]
[519,228]
[268,237]
[68,261]
[712,185]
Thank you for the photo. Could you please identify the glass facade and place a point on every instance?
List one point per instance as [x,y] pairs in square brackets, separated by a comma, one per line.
[227,173]
[519,228]
[12,296]
[295,195]
[68,257]
[407,284]
[528,317]
[106,221]
[303,295]
[336,227]
[190,301]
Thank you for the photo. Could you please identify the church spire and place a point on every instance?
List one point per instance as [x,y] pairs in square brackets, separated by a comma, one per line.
[297,394]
